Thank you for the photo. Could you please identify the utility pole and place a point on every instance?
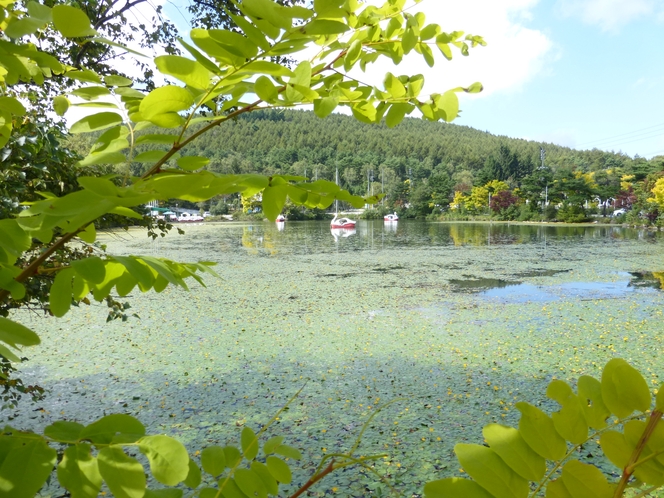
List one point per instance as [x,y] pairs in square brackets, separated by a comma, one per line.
[546,186]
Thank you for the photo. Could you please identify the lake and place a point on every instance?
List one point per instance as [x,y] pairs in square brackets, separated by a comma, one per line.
[459,321]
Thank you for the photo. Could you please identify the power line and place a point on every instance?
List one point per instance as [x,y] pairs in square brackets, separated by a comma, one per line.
[608,139]
[634,140]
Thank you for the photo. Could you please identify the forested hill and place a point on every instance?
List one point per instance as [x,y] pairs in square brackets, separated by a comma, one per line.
[298,142]
[276,140]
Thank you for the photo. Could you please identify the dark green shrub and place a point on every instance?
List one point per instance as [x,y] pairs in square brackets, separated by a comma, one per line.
[571,213]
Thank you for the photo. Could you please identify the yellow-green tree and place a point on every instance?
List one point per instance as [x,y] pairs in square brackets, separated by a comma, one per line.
[658,193]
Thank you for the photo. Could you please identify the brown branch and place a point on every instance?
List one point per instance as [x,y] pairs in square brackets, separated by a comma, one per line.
[33,267]
[314,479]
[128,5]
[655,417]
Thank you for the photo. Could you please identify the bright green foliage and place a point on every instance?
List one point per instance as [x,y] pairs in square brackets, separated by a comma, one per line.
[514,457]
[101,453]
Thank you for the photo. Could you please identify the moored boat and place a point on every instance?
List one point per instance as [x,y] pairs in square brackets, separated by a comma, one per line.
[342,222]
[391,217]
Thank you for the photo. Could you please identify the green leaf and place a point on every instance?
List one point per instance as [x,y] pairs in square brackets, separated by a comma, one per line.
[169,461]
[324,27]
[624,389]
[415,84]
[427,53]
[537,429]
[18,28]
[16,335]
[616,448]
[64,431]
[190,72]
[85,75]
[156,139]
[249,442]
[274,199]
[570,421]
[270,483]
[213,460]
[72,22]
[265,89]
[61,105]
[102,158]
[324,107]
[39,11]
[302,75]
[279,469]
[229,489]
[166,99]
[408,40]
[138,269]
[490,471]
[650,470]
[96,122]
[267,67]
[329,8]
[163,493]
[26,468]
[92,269]
[397,113]
[234,43]
[454,487]
[585,481]
[475,88]
[117,80]
[78,472]
[659,400]
[250,483]
[192,163]
[12,105]
[123,474]
[250,31]
[101,39]
[590,392]
[233,456]
[394,86]
[194,476]
[449,104]
[515,452]
[61,292]
[91,92]
[272,443]
[116,428]
[150,156]
[557,489]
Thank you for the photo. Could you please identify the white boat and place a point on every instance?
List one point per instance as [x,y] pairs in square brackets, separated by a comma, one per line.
[189,218]
[391,217]
[342,222]
[281,218]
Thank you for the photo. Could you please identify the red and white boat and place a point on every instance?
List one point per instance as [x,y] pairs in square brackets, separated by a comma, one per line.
[281,218]
[342,222]
[391,217]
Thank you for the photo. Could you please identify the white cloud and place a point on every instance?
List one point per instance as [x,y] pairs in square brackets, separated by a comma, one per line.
[610,15]
[514,54]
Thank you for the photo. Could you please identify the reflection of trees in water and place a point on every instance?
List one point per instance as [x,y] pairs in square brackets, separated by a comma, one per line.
[255,240]
[482,235]
[654,279]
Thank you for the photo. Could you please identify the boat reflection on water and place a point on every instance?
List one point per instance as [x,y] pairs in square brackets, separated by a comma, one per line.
[390,226]
[281,225]
[342,233]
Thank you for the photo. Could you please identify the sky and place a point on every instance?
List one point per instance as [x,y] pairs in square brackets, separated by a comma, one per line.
[578,73]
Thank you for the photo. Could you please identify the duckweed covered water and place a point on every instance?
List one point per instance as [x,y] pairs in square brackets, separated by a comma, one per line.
[361,320]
